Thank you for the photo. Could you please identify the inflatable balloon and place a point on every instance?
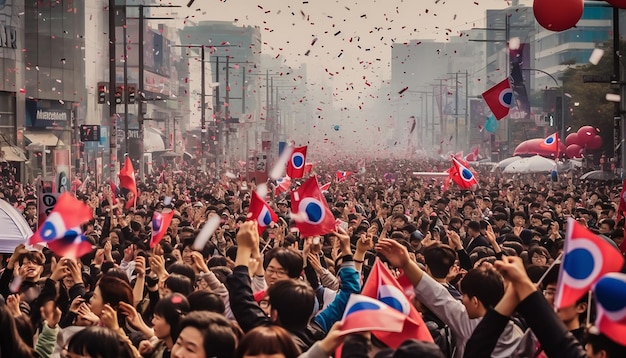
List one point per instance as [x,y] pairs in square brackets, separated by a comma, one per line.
[535,147]
[491,124]
[617,3]
[574,151]
[595,143]
[558,15]
[585,134]
[571,138]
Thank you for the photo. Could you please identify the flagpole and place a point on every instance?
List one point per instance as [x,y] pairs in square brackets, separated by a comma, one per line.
[557,260]
[588,309]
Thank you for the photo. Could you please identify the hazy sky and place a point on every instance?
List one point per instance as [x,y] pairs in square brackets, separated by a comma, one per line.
[346,44]
[349,40]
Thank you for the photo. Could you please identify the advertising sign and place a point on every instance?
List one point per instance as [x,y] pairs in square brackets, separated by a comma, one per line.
[62,170]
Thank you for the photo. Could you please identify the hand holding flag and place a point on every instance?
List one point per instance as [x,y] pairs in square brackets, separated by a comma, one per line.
[61,230]
[586,258]
[128,181]
[261,212]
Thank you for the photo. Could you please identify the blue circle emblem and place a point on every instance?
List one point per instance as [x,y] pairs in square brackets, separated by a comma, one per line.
[579,263]
[360,306]
[297,160]
[466,174]
[611,293]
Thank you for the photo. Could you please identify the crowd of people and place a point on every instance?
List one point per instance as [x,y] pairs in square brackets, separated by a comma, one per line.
[474,259]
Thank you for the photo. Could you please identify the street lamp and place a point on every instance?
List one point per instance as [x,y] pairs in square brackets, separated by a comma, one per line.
[559,106]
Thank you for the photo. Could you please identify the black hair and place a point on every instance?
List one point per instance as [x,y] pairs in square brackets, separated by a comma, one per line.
[182,269]
[219,335]
[439,258]
[179,283]
[294,301]
[205,301]
[291,261]
[99,342]
[486,284]
[172,308]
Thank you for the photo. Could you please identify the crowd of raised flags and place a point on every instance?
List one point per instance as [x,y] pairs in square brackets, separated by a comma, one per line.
[384,307]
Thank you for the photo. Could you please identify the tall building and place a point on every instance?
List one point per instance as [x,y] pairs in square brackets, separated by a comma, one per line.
[234,53]
[557,51]
[54,80]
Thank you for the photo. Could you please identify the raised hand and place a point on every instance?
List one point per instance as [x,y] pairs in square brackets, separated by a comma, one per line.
[50,313]
[397,254]
[13,304]
[248,235]
[109,317]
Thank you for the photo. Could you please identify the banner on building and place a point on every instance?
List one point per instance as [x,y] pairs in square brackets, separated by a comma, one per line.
[519,60]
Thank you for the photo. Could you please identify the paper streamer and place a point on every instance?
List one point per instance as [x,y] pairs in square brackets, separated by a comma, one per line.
[596,56]
[207,231]
[278,170]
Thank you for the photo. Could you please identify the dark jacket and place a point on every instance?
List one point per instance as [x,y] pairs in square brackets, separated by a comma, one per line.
[555,340]
[249,315]
[478,241]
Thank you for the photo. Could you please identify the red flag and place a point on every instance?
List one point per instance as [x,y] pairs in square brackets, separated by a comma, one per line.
[68,213]
[114,192]
[499,98]
[73,245]
[261,212]
[296,163]
[307,169]
[127,181]
[551,143]
[325,187]
[310,210]
[364,314]
[160,224]
[282,185]
[610,295]
[61,230]
[342,176]
[473,155]
[461,175]
[586,257]
[381,285]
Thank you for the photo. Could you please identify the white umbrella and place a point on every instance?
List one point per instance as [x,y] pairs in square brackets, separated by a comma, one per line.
[505,162]
[536,164]
[15,229]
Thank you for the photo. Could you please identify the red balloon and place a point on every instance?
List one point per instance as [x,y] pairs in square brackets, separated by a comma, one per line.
[617,3]
[595,143]
[585,135]
[558,15]
[574,151]
[572,138]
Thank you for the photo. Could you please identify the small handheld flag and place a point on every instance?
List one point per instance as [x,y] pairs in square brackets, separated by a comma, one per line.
[586,257]
[310,210]
[261,212]
[160,223]
[297,162]
[499,98]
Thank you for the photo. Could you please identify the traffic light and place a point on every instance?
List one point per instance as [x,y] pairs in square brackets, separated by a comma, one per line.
[131,94]
[119,91]
[549,118]
[102,93]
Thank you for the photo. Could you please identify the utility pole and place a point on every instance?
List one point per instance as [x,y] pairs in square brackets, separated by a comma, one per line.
[112,84]
[142,96]
[225,126]
[218,111]
[125,92]
[203,129]
[456,111]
